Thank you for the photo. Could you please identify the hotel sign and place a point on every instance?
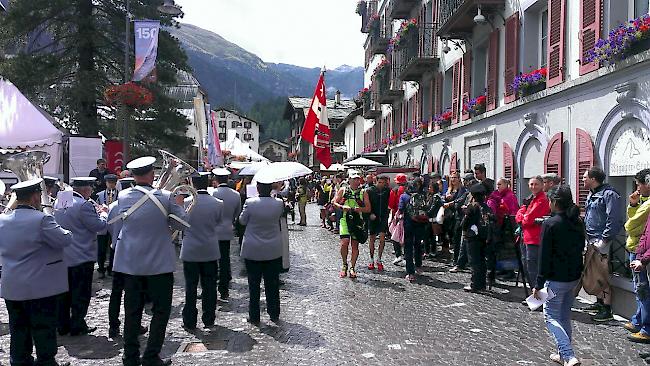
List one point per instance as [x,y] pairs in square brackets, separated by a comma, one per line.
[630,150]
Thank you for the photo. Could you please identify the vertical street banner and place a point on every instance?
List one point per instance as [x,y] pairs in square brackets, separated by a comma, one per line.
[316,129]
[215,156]
[114,156]
[146,49]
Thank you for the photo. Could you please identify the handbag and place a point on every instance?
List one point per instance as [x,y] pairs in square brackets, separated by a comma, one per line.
[440,217]
[397,229]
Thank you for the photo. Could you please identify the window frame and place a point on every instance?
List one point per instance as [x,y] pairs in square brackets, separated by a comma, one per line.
[542,47]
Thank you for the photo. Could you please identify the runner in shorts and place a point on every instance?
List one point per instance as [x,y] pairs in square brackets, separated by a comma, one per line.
[350,198]
[378,195]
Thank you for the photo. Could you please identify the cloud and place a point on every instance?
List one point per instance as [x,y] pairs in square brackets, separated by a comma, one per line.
[309,33]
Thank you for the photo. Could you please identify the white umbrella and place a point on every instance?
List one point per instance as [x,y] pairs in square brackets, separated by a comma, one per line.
[252,169]
[362,162]
[277,172]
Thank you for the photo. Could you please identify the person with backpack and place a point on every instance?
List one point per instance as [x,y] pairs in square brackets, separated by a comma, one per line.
[352,200]
[434,232]
[413,204]
[477,226]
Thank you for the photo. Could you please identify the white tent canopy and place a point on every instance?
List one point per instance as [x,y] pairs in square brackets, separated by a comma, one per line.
[239,148]
[333,168]
[360,162]
[25,126]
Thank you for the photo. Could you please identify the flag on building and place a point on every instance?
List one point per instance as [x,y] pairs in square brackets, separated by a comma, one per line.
[215,156]
[146,49]
[316,129]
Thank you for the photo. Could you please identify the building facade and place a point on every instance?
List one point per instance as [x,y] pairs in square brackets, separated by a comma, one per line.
[274,150]
[236,124]
[512,85]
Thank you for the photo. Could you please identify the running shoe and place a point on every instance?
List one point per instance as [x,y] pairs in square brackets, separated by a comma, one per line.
[371,266]
[380,267]
[555,357]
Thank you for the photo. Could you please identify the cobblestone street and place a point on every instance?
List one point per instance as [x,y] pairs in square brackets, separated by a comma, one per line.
[378,318]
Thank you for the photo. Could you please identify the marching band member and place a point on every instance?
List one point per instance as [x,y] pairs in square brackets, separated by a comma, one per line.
[226,228]
[34,275]
[105,198]
[146,256]
[80,256]
[200,254]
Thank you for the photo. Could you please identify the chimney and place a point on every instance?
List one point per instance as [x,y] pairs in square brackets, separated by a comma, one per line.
[338,97]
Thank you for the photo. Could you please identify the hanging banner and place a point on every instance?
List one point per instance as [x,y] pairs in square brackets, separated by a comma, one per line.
[114,157]
[146,49]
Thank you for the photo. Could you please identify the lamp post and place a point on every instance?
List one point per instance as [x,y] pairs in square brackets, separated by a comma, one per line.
[168,7]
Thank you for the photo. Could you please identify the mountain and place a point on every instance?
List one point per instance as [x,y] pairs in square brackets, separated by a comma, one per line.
[233,76]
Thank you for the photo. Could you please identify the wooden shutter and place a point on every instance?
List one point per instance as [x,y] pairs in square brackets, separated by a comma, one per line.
[553,157]
[509,166]
[556,23]
[584,161]
[438,94]
[455,92]
[467,81]
[436,166]
[429,164]
[493,71]
[511,56]
[590,23]
[453,162]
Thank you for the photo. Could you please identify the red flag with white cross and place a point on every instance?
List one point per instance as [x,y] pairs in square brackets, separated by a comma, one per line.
[316,129]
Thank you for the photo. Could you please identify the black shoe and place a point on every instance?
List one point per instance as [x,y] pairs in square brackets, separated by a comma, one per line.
[644,354]
[253,321]
[157,362]
[131,362]
[189,328]
[604,315]
[80,332]
[593,308]
[113,332]
[143,330]
[275,319]
[63,331]
[469,288]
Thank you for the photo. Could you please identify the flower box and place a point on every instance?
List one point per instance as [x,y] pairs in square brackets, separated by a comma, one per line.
[475,106]
[530,83]
[530,90]
[622,41]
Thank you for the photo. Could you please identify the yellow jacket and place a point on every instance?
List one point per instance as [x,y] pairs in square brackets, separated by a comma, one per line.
[637,217]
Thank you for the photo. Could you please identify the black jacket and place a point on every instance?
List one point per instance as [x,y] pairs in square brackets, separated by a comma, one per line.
[560,252]
[379,201]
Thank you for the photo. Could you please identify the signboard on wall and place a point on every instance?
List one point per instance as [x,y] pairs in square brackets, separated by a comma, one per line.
[629,151]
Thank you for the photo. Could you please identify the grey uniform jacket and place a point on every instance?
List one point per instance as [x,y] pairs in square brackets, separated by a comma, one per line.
[232,207]
[262,240]
[144,246]
[102,197]
[115,227]
[32,254]
[201,240]
[84,222]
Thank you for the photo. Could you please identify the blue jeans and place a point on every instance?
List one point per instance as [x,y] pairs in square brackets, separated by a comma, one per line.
[557,315]
[530,260]
[641,319]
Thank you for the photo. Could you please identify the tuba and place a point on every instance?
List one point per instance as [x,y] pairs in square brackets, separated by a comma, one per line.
[26,166]
[173,175]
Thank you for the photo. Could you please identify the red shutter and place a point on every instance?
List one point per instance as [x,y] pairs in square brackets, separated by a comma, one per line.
[553,158]
[429,164]
[453,163]
[509,166]
[467,81]
[584,161]
[455,92]
[556,15]
[438,94]
[493,71]
[512,55]
[436,166]
[589,32]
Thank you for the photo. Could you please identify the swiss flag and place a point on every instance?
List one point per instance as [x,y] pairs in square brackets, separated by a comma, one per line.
[317,128]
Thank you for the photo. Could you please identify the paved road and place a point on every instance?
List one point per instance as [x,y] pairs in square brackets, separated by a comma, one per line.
[378,319]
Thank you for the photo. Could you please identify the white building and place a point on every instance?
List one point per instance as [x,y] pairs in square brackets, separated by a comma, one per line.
[274,150]
[244,128]
[585,114]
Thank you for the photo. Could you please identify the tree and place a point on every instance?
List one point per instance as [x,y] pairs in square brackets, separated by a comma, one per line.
[270,115]
[64,53]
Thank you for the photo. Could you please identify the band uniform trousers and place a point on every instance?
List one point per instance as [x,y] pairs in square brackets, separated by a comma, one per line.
[74,304]
[115,301]
[270,271]
[157,288]
[103,250]
[33,323]
[225,274]
[206,274]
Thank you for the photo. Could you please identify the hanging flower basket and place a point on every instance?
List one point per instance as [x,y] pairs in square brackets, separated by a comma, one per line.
[130,94]
[530,83]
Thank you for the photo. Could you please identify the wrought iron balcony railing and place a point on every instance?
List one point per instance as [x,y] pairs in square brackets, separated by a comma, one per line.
[378,42]
[366,9]
[456,17]
[371,106]
[418,52]
[401,9]
[389,89]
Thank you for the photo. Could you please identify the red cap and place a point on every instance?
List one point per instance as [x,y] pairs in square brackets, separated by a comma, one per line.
[400,178]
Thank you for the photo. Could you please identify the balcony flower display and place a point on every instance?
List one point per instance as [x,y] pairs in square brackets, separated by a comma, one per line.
[443,119]
[130,94]
[380,68]
[373,23]
[475,106]
[403,30]
[411,133]
[424,127]
[530,83]
[622,41]
[394,139]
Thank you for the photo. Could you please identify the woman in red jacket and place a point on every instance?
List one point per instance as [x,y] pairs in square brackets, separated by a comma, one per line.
[535,207]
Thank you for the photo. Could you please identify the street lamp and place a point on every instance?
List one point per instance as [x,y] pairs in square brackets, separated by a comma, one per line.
[170,8]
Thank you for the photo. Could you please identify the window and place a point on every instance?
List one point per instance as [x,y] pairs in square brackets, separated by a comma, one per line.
[222,114]
[247,125]
[447,88]
[248,137]
[640,8]
[543,39]
[222,124]
[479,63]
[222,137]
[233,124]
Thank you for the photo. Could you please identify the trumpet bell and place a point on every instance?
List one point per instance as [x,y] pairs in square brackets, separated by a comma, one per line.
[28,165]
[173,175]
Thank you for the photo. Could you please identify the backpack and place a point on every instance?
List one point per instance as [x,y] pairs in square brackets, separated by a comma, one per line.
[487,223]
[417,208]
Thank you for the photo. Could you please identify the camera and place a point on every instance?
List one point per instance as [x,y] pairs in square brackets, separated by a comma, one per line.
[540,220]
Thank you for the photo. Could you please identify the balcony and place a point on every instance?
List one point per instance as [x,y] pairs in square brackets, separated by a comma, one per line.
[456,17]
[371,107]
[418,53]
[366,9]
[389,89]
[401,9]
[377,40]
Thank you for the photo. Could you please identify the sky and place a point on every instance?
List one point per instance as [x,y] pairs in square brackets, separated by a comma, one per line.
[308,33]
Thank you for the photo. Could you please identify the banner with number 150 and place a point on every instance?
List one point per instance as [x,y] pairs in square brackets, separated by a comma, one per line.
[146,49]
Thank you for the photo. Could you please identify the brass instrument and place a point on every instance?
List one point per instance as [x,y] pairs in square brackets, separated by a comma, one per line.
[174,172]
[26,166]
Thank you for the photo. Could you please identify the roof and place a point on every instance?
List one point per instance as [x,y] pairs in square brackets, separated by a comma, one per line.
[236,113]
[286,146]
[334,110]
